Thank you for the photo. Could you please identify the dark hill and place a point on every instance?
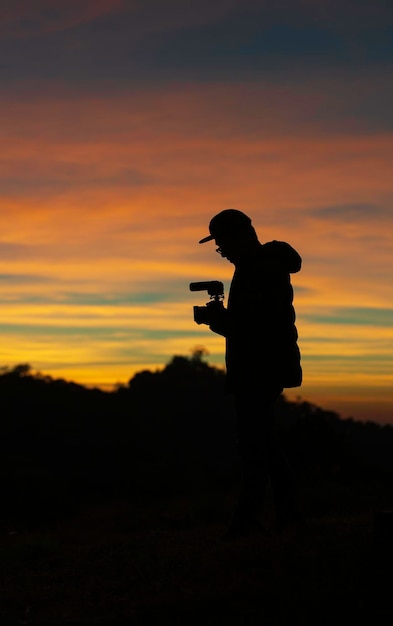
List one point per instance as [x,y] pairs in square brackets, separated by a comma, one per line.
[167,432]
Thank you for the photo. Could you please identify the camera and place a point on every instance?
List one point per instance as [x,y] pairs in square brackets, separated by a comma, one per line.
[215,289]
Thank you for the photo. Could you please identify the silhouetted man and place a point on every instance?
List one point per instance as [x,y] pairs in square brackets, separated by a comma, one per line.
[262,358]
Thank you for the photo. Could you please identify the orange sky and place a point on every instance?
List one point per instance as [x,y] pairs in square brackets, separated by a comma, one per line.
[107,187]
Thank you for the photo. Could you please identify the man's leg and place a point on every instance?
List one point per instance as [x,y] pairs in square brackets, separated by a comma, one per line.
[254,423]
[282,483]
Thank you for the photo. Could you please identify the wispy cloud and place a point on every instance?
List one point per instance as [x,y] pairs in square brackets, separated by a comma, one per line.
[123,40]
[354,316]
[51,16]
[23,279]
[352,212]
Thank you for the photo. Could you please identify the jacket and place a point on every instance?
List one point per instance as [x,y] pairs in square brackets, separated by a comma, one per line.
[259,321]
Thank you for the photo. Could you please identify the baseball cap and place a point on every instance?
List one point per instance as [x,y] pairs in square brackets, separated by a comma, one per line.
[229,221]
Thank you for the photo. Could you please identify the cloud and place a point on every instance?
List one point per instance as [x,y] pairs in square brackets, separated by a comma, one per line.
[23,279]
[155,41]
[358,316]
[28,179]
[72,215]
[352,212]
[10,250]
[121,117]
[240,44]
[41,17]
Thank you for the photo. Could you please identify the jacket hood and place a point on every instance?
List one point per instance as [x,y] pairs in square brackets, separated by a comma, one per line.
[282,253]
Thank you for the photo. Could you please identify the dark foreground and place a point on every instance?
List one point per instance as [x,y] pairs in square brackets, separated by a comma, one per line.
[164,562]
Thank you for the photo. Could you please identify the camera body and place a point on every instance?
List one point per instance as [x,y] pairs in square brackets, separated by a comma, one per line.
[215,289]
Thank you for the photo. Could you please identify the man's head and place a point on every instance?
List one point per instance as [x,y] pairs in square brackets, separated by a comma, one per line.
[233,233]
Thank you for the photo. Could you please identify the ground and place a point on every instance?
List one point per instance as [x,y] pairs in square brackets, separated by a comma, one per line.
[163,561]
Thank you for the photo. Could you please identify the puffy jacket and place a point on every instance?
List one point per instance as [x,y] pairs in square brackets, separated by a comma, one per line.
[259,321]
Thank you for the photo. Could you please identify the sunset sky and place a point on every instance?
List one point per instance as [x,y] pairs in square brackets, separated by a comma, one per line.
[126,125]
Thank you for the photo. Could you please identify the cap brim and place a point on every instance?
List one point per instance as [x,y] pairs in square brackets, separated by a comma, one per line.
[209,238]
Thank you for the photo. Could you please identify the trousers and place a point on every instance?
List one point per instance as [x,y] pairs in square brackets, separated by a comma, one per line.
[261,455]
